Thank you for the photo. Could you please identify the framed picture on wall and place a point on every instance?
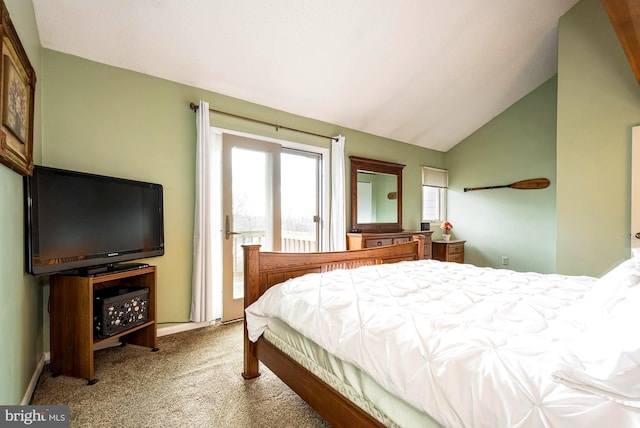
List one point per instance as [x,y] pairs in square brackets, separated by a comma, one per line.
[17,87]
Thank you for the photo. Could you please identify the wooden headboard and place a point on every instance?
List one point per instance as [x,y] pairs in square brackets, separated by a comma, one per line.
[263,270]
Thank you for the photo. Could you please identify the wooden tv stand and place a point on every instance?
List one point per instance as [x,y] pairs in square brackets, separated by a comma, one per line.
[71,316]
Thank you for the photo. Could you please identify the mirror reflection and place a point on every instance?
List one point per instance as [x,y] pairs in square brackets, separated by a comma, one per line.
[377,197]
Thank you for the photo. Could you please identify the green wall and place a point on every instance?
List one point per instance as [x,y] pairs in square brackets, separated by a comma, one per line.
[21,333]
[111,121]
[598,103]
[519,224]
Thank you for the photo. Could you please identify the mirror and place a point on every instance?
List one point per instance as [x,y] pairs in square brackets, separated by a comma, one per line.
[376,195]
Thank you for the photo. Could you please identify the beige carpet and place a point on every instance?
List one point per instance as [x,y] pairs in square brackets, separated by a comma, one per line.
[194,381]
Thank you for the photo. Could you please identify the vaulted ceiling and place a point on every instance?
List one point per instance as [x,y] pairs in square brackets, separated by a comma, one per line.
[424,72]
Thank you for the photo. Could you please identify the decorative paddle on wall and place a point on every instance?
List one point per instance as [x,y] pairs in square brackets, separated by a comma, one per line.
[530,184]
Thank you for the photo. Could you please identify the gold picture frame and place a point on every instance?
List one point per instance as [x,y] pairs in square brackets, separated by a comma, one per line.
[17,88]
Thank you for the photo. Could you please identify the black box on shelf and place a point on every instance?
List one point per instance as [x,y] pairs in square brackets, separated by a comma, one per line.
[116,309]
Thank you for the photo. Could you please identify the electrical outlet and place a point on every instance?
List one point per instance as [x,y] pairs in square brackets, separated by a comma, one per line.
[505,260]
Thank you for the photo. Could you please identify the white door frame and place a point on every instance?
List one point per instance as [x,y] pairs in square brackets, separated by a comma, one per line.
[635,187]
[234,306]
[325,173]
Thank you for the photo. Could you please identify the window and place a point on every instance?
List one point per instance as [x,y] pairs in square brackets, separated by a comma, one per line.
[434,194]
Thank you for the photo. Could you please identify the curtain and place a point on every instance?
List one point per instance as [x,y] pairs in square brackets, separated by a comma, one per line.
[337,228]
[206,300]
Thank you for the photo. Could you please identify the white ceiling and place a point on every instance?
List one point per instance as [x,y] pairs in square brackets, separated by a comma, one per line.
[424,72]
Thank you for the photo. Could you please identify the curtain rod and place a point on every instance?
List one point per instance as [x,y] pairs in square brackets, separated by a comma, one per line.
[195,107]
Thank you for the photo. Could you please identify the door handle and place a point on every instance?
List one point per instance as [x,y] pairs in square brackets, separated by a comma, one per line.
[637,235]
[228,232]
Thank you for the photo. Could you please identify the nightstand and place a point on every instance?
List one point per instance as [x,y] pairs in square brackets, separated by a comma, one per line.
[448,251]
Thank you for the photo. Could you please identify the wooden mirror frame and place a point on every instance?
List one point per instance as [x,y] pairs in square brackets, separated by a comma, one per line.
[363,164]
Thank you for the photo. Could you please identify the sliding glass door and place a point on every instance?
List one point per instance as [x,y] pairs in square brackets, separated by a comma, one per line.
[270,198]
[300,185]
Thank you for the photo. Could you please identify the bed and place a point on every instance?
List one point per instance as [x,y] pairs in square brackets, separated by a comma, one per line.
[464,346]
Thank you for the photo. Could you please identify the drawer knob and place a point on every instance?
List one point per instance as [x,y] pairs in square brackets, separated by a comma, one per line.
[379,243]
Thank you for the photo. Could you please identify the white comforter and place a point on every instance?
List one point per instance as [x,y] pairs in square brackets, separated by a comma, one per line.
[473,347]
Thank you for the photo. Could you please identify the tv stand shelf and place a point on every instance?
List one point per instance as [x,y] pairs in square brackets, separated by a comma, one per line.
[71,316]
[97,341]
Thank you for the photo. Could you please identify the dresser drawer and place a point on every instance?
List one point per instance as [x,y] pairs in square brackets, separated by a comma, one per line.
[456,249]
[368,243]
[401,240]
[458,258]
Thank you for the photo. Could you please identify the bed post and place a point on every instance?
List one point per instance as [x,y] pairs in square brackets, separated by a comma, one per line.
[251,294]
[420,238]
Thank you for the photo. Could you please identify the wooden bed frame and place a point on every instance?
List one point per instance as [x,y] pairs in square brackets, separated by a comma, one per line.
[265,269]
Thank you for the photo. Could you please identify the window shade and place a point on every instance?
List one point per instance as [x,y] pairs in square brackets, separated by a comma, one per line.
[434,177]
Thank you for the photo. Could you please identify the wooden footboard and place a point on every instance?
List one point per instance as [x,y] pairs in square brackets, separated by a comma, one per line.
[263,270]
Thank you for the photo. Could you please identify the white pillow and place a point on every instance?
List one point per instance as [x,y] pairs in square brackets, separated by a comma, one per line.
[610,289]
[605,358]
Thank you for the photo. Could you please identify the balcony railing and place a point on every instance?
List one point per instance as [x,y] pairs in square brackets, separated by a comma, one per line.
[292,242]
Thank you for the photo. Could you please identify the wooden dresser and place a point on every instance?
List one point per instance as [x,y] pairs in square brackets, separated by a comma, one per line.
[358,241]
[448,251]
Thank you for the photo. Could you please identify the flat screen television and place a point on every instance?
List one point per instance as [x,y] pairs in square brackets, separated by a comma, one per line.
[86,223]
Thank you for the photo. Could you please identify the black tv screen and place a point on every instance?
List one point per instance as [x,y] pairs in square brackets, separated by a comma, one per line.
[77,221]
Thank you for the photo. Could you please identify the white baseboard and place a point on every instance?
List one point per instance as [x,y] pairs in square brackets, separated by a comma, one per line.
[179,328]
[34,381]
